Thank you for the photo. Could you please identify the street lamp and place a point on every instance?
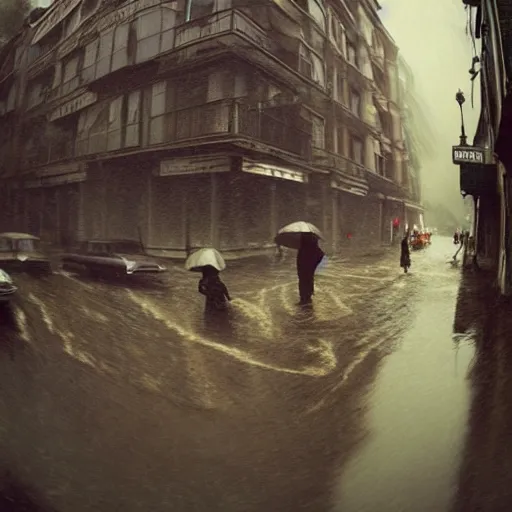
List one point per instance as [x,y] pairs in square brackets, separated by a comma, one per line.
[459,97]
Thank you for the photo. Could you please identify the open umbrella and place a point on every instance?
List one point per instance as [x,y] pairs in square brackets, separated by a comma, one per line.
[204,258]
[290,235]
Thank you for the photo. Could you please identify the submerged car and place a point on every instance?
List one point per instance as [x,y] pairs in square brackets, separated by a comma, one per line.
[7,288]
[21,252]
[111,258]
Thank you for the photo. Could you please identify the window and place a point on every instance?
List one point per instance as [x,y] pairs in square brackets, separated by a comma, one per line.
[120,50]
[317,13]
[92,129]
[70,73]
[89,66]
[318,131]
[88,7]
[115,122]
[356,150]
[365,63]
[351,54]
[132,133]
[198,8]
[340,87]
[149,26]
[355,102]
[338,35]
[157,113]
[105,53]
[379,159]
[311,65]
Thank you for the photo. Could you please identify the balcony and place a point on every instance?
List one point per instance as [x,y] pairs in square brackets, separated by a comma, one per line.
[218,121]
[338,163]
[229,31]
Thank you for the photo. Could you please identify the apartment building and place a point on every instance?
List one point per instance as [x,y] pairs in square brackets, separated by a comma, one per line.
[203,122]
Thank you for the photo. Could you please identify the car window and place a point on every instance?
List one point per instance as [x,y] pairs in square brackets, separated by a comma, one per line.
[5,245]
[25,245]
[126,248]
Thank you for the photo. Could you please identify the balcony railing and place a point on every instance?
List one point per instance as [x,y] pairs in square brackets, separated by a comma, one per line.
[338,163]
[226,117]
[224,22]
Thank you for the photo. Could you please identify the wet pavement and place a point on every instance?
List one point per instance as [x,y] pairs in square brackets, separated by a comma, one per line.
[117,398]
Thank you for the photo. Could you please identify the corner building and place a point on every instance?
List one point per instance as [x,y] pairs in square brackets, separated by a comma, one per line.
[203,122]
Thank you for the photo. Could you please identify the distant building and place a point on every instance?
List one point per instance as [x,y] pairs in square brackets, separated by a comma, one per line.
[204,122]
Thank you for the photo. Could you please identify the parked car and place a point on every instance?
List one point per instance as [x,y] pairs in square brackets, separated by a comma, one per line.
[7,288]
[20,252]
[111,258]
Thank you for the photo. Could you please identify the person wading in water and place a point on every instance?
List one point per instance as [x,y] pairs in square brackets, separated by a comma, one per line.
[405,254]
[308,259]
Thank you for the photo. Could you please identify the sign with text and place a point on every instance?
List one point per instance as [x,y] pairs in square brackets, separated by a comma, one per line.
[79,103]
[55,15]
[468,155]
[274,171]
[180,166]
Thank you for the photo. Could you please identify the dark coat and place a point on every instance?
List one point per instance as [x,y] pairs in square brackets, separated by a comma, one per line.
[405,254]
[214,290]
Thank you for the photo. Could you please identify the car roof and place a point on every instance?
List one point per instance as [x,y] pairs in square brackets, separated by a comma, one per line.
[115,241]
[18,236]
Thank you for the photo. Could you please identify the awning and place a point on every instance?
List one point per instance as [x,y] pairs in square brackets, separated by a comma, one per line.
[413,206]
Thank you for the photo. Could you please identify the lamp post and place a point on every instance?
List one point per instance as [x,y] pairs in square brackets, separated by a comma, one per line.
[459,97]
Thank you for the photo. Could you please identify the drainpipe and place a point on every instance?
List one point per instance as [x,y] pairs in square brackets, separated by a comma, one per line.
[476,225]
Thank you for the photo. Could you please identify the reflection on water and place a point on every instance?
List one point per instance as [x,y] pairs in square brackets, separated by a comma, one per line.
[418,407]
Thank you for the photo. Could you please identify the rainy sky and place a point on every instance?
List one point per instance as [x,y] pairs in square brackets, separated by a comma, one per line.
[432,38]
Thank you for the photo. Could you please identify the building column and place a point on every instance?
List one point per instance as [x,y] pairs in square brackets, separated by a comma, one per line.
[58,207]
[335,222]
[80,227]
[214,210]
[149,209]
[104,202]
[325,209]
[273,210]
[26,202]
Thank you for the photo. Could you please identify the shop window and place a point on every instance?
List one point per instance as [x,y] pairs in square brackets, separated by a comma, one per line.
[132,132]
[95,129]
[356,150]
[89,65]
[105,53]
[355,102]
[120,49]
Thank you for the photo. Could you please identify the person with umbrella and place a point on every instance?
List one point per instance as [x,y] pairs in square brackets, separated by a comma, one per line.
[304,237]
[210,263]
[405,254]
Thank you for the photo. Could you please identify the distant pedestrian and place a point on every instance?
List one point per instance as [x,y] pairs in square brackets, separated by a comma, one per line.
[215,291]
[309,257]
[405,254]
[456,237]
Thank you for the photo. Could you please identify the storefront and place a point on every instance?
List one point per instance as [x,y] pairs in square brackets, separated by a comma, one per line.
[53,206]
[185,202]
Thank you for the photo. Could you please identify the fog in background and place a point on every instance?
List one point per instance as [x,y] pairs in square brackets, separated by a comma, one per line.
[432,39]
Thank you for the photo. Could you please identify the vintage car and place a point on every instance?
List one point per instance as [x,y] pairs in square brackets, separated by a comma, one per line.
[20,252]
[7,288]
[111,258]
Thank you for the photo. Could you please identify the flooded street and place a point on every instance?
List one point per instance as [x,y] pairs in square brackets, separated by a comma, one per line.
[137,401]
